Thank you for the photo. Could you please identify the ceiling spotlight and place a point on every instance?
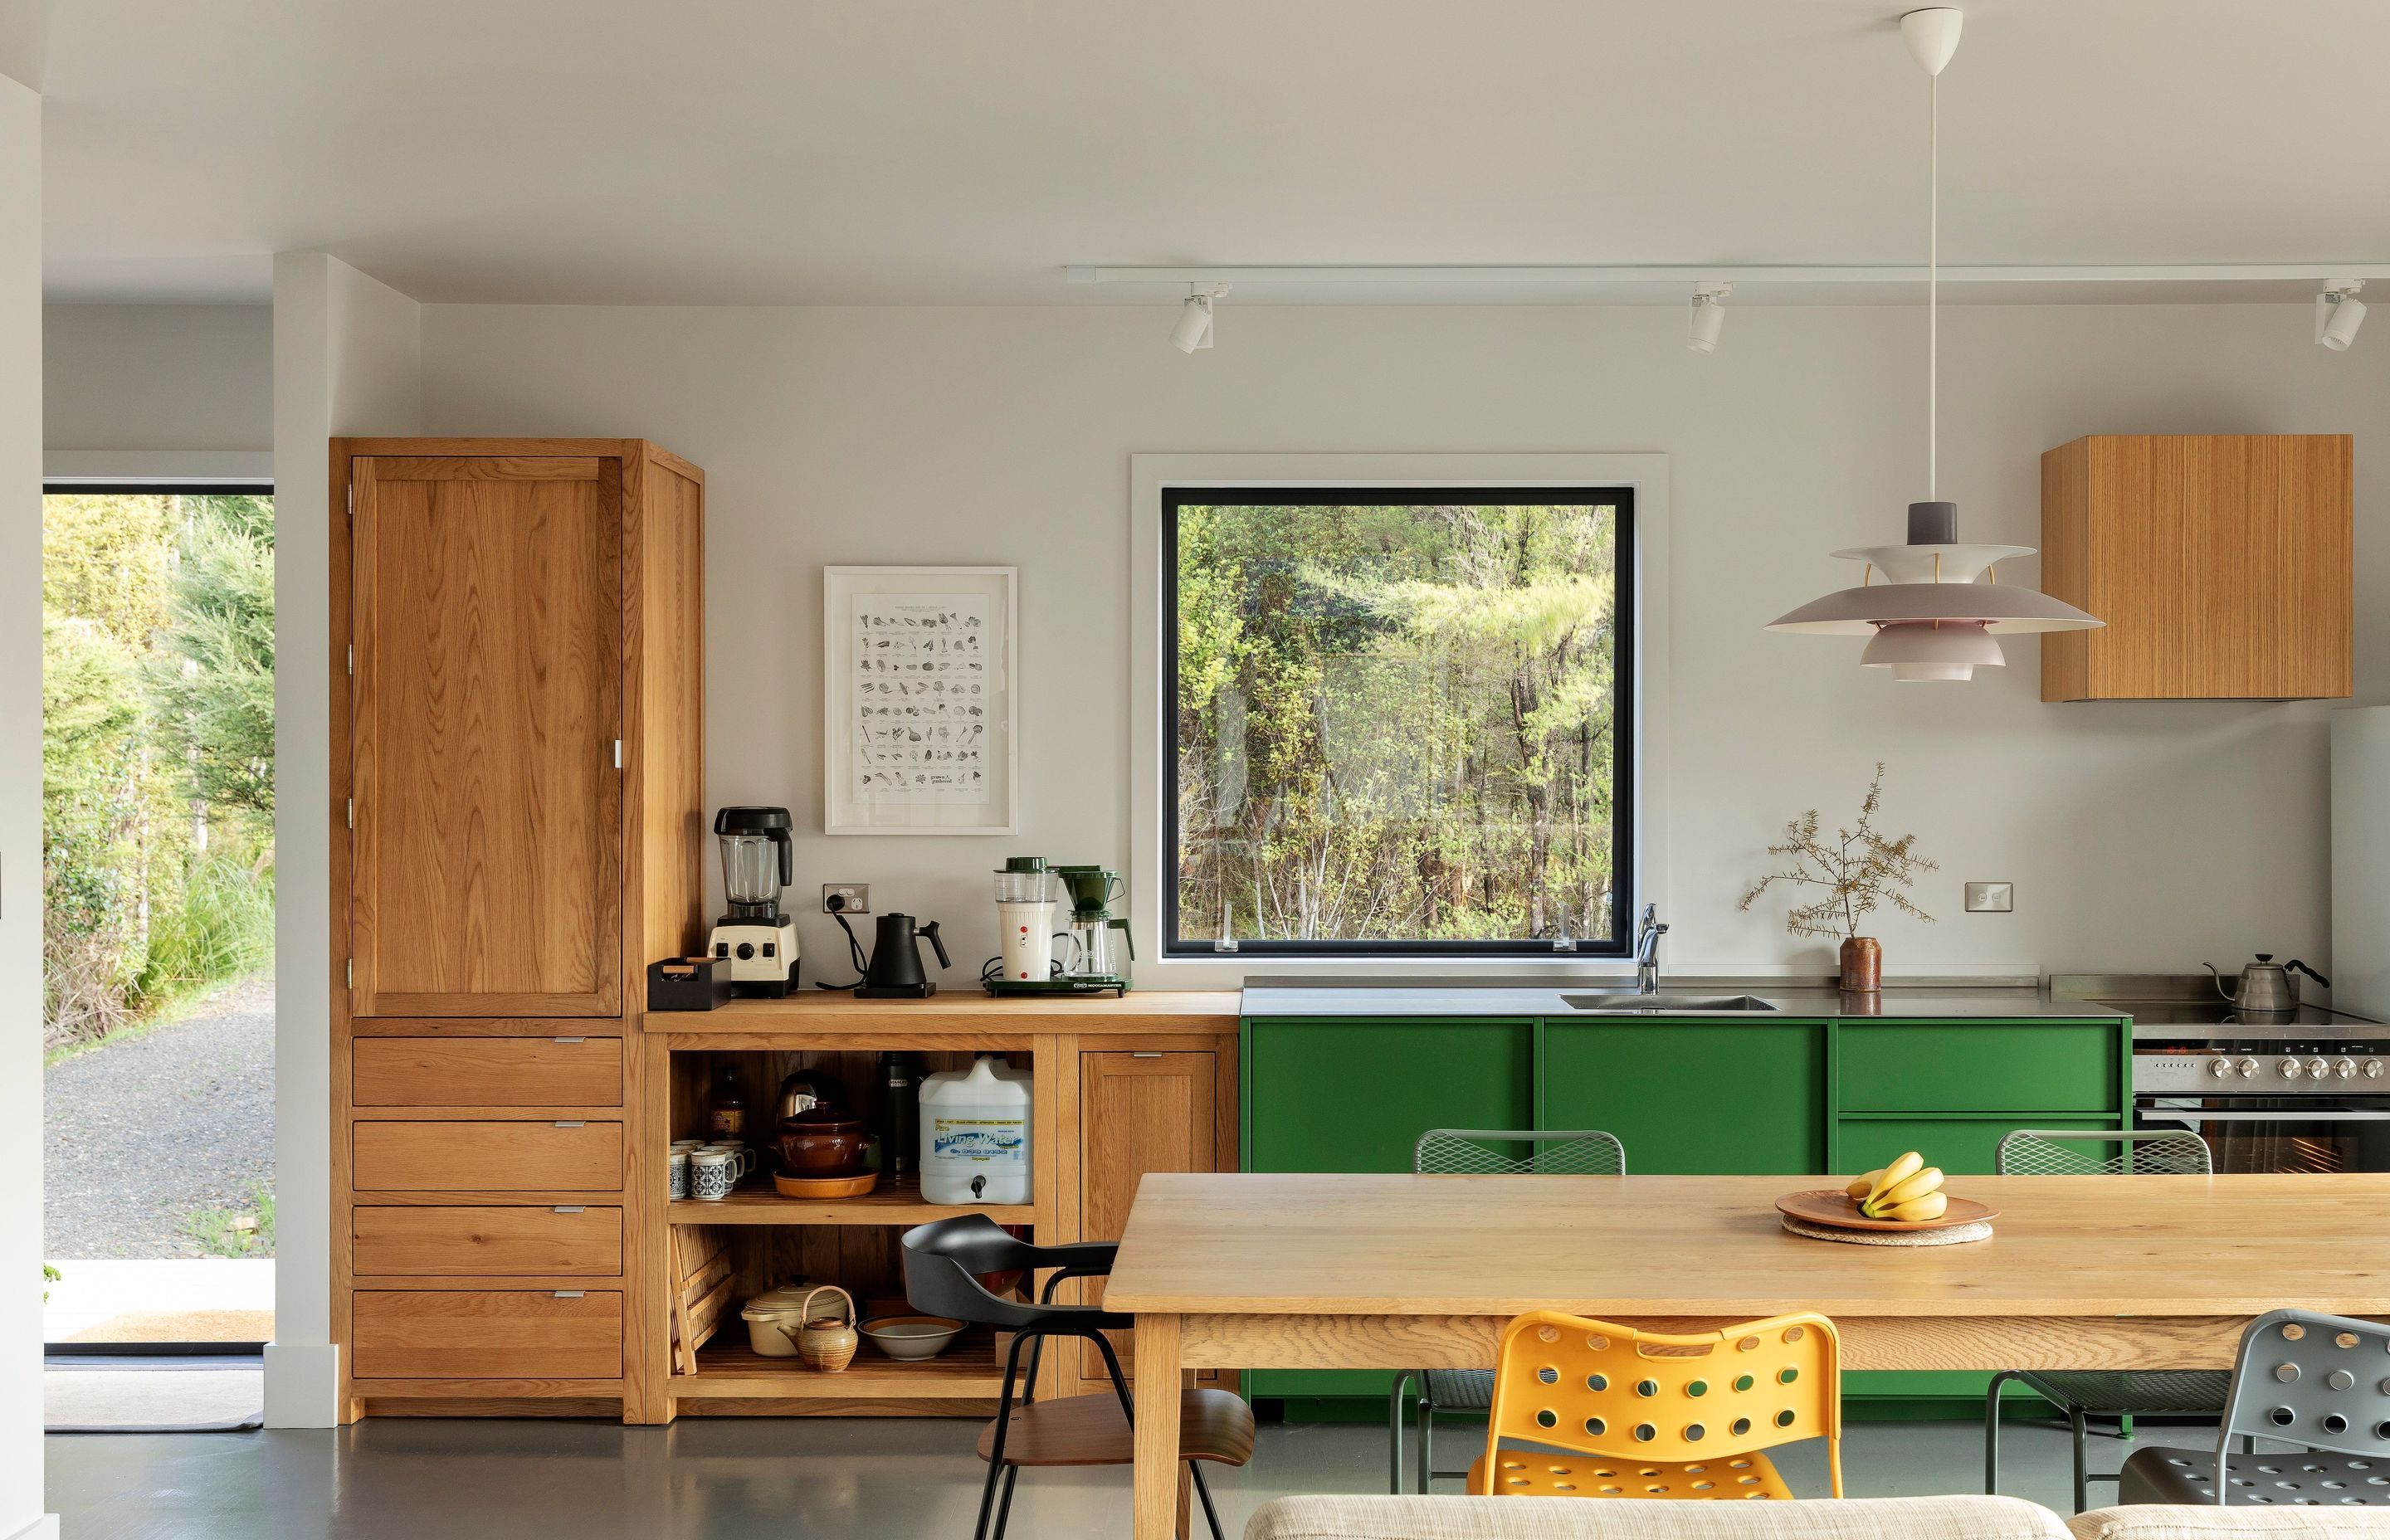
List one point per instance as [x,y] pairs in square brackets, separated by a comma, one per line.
[1707,318]
[1194,327]
[2339,313]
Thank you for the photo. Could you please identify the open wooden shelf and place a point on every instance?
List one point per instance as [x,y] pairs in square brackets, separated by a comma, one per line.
[889,1203]
[729,1371]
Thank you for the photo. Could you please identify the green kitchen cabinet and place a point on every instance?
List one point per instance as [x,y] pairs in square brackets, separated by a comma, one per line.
[1960,1146]
[1959,1067]
[1342,1094]
[1692,1098]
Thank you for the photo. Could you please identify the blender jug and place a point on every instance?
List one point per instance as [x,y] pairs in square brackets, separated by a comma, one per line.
[757,857]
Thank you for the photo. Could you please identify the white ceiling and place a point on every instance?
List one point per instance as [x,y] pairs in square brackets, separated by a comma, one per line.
[936,152]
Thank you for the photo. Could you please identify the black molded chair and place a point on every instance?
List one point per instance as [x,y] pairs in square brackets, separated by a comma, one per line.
[2304,1378]
[942,1264]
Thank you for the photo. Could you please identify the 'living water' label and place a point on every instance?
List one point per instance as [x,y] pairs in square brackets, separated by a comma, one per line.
[980,1138]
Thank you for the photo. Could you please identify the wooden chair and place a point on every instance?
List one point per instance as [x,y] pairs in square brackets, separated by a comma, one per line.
[1643,1415]
[1481,1152]
[942,1264]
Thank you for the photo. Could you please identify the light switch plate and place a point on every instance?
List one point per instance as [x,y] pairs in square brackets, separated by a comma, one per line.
[1990,898]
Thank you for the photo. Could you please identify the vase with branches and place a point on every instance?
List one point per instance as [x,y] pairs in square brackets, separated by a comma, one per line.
[1857,870]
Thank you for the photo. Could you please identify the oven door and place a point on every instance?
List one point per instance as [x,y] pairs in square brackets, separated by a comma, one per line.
[2293,1134]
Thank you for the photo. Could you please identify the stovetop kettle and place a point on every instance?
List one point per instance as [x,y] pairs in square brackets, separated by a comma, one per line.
[2266,986]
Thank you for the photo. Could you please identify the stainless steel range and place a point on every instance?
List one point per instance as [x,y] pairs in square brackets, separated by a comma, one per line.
[2301,1090]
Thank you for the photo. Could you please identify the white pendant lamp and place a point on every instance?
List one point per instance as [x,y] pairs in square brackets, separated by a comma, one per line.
[1931,619]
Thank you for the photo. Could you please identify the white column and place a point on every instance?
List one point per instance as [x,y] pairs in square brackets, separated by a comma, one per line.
[347,360]
[20,811]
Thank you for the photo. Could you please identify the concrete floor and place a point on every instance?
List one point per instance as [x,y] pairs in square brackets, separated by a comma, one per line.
[852,1479]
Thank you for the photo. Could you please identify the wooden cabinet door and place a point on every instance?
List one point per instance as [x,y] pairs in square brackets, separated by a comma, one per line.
[1138,1112]
[487,617]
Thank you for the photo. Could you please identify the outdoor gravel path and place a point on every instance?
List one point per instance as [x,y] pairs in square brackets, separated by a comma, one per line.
[142,1134]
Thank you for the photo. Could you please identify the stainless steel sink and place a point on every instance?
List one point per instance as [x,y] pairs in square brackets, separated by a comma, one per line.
[1622,1003]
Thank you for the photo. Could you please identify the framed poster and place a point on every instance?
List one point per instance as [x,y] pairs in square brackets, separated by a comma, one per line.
[920,673]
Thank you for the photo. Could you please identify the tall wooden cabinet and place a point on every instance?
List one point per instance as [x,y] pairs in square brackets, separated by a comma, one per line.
[2222,565]
[517,721]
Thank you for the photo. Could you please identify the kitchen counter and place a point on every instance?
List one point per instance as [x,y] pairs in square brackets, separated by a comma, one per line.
[824,1013]
[1811,1005]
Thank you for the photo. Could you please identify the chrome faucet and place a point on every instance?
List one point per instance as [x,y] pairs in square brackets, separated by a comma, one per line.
[1646,950]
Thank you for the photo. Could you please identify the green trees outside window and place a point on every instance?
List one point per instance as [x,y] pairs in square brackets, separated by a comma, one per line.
[156,750]
[1398,724]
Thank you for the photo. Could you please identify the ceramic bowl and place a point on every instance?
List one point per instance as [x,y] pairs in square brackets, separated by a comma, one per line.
[911,1337]
[824,1146]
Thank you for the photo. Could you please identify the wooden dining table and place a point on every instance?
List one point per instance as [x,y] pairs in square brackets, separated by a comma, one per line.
[1262,1271]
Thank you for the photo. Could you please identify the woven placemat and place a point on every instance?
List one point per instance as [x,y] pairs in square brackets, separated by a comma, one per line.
[1954,1236]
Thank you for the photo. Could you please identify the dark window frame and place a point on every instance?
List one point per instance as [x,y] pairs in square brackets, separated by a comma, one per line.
[1625,767]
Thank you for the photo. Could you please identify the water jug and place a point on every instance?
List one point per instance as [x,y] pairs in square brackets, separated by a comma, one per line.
[975,1135]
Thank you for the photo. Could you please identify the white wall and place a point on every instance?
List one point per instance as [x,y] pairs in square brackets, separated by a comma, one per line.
[347,360]
[152,378]
[20,811]
[2140,836]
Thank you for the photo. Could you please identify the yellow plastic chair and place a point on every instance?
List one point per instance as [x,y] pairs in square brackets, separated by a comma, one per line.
[1644,1414]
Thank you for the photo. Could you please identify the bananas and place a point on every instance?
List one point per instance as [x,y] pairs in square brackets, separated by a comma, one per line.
[1907,1190]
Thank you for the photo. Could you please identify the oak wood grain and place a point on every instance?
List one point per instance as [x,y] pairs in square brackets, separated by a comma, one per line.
[488,1071]
[488,1156]
[488,1241]
[1138,1113]
[487,856]
[1712,1246]
[487,1335]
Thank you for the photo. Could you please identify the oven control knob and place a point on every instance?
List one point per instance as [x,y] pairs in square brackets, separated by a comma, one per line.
[2219,1068]
[2343,1068]
[2290,1068]
[2249,1068]
[2373,1069]
[2318,1068]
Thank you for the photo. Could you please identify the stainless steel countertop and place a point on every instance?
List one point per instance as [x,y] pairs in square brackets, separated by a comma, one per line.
[1914,1005]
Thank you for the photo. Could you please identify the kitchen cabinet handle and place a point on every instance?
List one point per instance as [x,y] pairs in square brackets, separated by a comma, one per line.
[569,1208]
[1145,1056]
[567,1293]
[572,1040]
[561,1125]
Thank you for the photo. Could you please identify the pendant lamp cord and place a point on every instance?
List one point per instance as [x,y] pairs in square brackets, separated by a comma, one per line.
[1932,283]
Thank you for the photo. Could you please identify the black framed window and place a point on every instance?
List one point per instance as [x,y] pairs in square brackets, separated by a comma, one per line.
[1399,720]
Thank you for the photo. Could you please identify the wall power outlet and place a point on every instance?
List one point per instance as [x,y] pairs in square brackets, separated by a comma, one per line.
[846,898]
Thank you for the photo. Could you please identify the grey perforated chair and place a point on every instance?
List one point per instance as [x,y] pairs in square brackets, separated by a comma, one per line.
[2305,1378]
[1481,1152]
[2085,1393]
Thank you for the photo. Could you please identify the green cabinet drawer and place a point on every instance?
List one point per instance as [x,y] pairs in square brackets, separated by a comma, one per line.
[1959,1067]
[1356,1096]
[1964,1147]
[1692,1098]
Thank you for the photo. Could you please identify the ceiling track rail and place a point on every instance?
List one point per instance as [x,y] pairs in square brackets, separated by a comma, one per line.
[1687,272]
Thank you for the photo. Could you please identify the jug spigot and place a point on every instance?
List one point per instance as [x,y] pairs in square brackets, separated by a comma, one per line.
[930,933]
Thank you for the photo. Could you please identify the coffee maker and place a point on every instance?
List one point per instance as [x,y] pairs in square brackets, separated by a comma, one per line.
[758,941]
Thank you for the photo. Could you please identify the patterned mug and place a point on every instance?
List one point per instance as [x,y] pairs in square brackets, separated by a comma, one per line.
[712,1175]
[676,1169]
[742,1160]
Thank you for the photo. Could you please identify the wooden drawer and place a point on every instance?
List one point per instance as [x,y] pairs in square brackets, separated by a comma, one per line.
[1991,1067]
[487,1157]
[487,1072]
[486,1334]
[487,1242]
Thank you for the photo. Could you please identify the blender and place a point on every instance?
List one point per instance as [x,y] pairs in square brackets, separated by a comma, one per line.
[1024,917]
[759,943]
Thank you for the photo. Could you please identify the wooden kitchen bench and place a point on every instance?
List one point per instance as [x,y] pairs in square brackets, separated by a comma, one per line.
[1120,1086]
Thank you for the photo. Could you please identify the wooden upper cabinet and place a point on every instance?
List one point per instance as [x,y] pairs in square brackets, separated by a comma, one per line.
[2223,565]
[488,701]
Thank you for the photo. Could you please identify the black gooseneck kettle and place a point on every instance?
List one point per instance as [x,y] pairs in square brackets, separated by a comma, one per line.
[894,972]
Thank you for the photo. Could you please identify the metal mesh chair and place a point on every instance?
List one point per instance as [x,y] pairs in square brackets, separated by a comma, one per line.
[1482,1152]
[2302,1377]
[2081,1394]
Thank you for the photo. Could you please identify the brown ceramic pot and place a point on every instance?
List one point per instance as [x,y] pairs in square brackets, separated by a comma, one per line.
[823,1147]
[1862,965]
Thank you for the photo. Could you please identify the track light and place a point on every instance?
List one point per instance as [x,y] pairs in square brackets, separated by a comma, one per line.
[1194,327]
[1707,318]
[2339,313]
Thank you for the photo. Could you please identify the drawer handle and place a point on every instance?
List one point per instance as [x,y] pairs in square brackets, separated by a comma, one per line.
[569,1208]
[571,1125]
[572,1040]
[567,1293]
[1145,1056]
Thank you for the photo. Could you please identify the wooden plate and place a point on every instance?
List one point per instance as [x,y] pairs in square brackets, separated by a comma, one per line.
[1832,1206]
[824,1187]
